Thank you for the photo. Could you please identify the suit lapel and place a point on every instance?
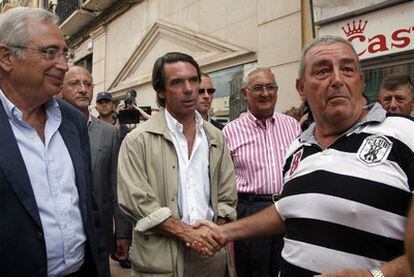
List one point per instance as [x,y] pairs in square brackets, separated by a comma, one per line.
[70,136]
[14,168]
[94,130]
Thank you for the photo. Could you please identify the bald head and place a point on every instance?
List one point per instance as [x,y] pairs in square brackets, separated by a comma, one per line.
[77,88]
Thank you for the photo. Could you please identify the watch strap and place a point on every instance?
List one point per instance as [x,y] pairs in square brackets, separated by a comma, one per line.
[376,272]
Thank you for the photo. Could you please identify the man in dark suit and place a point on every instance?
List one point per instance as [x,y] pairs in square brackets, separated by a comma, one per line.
[77,89]
[48,219]
[205,98]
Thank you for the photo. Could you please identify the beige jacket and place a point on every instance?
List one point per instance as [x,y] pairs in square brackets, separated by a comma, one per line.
[148,191]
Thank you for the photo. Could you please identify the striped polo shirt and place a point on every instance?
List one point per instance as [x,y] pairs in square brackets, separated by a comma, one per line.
[345,206]
[258,149]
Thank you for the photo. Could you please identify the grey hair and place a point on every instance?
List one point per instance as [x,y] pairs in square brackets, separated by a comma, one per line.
[393,81]
[248,72]
[324,40]
[14,26]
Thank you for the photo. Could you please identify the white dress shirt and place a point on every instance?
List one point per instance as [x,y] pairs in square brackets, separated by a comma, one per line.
[194,181]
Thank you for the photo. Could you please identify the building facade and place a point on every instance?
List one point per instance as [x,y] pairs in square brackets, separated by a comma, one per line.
[120,40]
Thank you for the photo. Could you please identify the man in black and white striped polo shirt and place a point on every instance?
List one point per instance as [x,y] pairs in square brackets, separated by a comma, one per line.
[348,179]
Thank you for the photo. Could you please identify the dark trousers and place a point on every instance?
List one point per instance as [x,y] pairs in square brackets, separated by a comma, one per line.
[257,257]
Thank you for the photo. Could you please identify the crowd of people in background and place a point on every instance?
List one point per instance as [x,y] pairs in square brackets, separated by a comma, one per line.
[325,189]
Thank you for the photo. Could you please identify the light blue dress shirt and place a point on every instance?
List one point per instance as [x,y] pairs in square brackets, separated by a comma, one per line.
[52,177]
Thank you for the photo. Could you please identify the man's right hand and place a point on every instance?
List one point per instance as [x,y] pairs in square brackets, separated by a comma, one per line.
[201,240]
[214,231]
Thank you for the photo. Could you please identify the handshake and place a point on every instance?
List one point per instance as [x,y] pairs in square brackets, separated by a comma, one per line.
[206,238]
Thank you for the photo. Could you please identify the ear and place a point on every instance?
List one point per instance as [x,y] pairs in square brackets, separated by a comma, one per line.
[6,64]
[299,88]
[244,93]
[161,94]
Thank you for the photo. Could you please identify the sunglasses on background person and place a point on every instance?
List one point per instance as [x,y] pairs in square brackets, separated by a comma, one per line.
[209,90]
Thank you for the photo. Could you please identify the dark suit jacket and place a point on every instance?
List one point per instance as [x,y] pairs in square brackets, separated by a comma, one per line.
[217,124]
[104,142]
[22,245]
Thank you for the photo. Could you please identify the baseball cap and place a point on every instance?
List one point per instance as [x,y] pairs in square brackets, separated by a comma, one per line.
[104,96]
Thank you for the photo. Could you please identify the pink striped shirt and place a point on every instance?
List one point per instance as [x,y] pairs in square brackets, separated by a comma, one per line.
[258,151]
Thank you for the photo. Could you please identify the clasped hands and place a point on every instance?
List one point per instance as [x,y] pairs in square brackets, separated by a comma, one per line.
[206,238]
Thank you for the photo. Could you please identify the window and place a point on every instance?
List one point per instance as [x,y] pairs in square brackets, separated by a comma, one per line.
[228,101]
[86,62]
[375,70]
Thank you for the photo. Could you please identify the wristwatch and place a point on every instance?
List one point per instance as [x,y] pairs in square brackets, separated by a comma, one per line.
[376,272]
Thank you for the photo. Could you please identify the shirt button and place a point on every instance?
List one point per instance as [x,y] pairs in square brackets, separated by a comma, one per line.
[39,235]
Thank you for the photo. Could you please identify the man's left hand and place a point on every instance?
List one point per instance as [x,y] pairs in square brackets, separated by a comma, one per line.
[122,248]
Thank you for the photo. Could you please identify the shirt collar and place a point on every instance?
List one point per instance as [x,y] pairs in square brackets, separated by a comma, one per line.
[51,108]
[89,120]
[376,114]
[175,126]
[259,122]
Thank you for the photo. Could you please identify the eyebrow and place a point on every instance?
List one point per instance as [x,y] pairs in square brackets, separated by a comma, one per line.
[321,62]
[347,61]
[54,46]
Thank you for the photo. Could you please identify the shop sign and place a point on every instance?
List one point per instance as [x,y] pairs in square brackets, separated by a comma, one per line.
[379,33]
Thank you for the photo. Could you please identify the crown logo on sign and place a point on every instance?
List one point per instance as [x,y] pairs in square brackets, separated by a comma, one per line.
[355,28]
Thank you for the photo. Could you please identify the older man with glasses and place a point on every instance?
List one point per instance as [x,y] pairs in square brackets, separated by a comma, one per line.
[48,221]
[205,99]
[258,143]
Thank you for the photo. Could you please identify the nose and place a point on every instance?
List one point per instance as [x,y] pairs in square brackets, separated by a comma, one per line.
[82,88]
[337,81]
[265,91]
[187,86]
[62,63]
[393,104]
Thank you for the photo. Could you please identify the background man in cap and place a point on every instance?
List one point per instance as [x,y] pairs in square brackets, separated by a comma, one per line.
[77,89]
[105,107]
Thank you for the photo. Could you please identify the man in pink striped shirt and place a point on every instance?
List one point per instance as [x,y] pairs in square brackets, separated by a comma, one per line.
[258,143]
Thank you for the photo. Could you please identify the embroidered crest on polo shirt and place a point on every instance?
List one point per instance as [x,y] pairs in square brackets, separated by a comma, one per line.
[295,161]
[374,150]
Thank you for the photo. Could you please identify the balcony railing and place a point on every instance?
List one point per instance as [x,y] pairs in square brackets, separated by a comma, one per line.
[65,8]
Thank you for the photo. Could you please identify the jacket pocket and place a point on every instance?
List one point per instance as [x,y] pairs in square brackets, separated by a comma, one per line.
[152,253]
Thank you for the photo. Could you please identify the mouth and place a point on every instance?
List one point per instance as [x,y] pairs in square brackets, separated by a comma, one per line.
[56,81]
[337,98]
[189,101]
[82,98]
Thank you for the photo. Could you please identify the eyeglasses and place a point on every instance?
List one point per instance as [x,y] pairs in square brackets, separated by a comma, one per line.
[259,88]
[78,83]
[50,53]
[209,90]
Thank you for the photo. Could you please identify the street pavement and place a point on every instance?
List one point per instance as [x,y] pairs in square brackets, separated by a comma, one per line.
[117,271]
